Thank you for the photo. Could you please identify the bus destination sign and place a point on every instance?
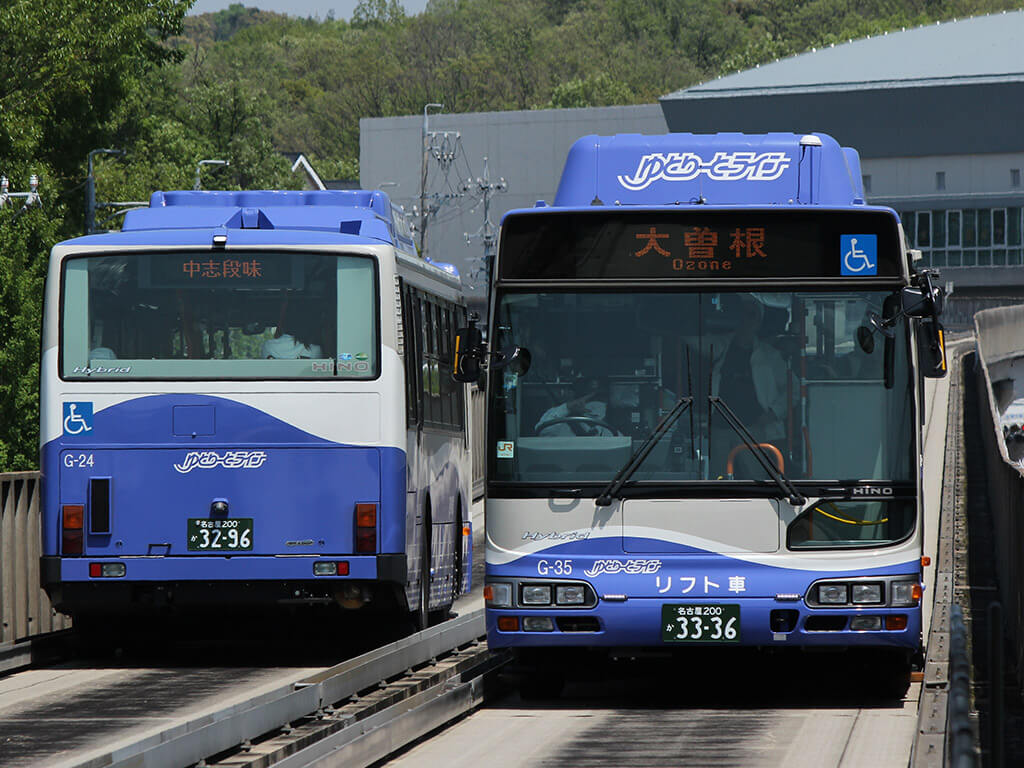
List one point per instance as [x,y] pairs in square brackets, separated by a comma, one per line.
[257,270]
[705,244]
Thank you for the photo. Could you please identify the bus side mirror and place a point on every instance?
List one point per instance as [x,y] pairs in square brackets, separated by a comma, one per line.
[922,299]
[931,348]
[469,354]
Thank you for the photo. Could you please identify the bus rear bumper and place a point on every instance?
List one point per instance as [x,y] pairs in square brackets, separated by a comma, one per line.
[86,583]
[644,623]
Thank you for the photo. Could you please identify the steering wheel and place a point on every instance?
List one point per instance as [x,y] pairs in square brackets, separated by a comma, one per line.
[572,421]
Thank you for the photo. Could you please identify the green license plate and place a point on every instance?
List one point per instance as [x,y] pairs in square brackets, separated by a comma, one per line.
[700,623]
[223,535]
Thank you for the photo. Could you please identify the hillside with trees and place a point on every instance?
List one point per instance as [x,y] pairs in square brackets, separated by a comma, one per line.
[245,85]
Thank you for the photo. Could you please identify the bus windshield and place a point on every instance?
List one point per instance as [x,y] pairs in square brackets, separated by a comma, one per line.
[820,399]
[226,315]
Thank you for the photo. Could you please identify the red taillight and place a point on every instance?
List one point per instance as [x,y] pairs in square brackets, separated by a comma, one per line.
[342,568]
[366,528]
[95,570]
[72,539]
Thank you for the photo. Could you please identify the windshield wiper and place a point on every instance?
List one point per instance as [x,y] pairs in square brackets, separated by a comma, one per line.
[788,489]
[622,476]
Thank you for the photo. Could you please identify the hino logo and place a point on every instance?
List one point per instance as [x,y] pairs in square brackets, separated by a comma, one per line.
[228,460]
[868,490]
[724,166]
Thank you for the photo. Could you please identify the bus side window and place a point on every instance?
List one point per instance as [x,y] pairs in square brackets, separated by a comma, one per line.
[413,355]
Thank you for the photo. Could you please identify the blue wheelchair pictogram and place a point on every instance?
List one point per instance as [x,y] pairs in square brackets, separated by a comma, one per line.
[77,418]
[859,255]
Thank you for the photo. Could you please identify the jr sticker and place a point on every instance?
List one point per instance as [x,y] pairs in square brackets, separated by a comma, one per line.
[859,254]
[506,449]
[77,418]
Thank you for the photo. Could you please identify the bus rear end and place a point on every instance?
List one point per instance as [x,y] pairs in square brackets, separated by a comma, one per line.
[215,428]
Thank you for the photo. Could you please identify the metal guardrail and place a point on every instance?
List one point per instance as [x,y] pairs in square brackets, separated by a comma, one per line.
[25,609]
[960,738]
[1000,339]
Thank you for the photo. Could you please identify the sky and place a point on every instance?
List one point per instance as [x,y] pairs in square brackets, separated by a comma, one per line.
[303,8]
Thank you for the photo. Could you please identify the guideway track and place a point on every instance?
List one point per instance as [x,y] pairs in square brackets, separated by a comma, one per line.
[408,675]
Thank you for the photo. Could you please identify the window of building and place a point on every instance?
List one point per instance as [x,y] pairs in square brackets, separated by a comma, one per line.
[940,180]
[924,227]
[866,181]
[1015,177]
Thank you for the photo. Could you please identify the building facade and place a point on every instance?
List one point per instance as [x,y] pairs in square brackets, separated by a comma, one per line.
[934,111]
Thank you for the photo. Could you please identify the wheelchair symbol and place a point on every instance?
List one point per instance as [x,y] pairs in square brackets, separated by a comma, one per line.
[74,422]
[858,257]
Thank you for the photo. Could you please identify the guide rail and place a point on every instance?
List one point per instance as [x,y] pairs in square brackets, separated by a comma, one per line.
[352,703]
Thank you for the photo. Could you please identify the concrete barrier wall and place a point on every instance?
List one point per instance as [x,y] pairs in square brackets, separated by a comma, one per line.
[25,609]
[1000,340]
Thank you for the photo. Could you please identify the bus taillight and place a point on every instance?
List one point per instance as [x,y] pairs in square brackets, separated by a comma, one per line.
[366,527]
[72,539]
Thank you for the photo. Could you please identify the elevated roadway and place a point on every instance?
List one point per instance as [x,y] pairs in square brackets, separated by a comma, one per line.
[800,710]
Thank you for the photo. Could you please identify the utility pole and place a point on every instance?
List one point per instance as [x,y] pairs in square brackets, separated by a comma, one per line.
[90,189]
[199,167]
[31,197]
[486,233]
[425,147]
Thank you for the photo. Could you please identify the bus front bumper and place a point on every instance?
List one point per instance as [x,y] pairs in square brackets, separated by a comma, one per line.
[658,623]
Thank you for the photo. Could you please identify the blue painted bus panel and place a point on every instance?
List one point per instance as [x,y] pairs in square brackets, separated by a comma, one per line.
[709,169]
[698,578]
[295,486]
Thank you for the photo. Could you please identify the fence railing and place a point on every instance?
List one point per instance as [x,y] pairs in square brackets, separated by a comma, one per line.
[25,609]
[1000,338]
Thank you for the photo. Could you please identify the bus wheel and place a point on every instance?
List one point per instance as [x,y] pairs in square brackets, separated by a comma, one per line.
[423,619]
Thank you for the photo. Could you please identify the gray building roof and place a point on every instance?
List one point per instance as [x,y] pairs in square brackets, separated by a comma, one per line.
[982,49]
[945,89]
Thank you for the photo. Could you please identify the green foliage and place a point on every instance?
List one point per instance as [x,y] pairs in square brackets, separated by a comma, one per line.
[243,85]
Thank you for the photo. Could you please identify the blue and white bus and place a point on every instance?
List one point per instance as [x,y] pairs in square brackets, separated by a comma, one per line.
[704,406]
[246,401]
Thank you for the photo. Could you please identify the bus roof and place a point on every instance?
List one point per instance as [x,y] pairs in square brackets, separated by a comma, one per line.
[721,169]
[270,216]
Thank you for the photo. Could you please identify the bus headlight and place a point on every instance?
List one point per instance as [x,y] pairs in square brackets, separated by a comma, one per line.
[832,594]
[905,593]
[536,594]
[571,594]
[866,593]
[498,594]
